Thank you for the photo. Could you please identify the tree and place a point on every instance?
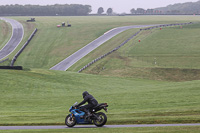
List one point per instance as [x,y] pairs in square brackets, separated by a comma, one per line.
[140,11]
[109,11]
[132,11]
[150,11]
[100,10]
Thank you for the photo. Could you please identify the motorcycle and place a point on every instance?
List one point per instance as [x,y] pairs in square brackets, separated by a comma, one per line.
[79,117]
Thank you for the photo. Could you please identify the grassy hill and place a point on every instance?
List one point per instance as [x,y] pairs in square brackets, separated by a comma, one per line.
[168,54]
[51,44]
[6,31]
[43,97]
[39,96]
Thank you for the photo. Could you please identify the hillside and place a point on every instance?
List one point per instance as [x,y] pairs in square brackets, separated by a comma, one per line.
[175,49]
[128,80]
[168,54]
[6,31]
[43,97]
[51,44]
[181,8]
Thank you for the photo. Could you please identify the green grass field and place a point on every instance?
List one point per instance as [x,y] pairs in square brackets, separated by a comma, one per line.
[172,47]
[41,97]
[168,54]
[51,44]
[5,33]
[137,89]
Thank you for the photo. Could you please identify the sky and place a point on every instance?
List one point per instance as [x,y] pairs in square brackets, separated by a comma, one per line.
[118,6]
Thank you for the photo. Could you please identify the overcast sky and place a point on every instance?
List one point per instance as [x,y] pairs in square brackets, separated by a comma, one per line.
[119,6]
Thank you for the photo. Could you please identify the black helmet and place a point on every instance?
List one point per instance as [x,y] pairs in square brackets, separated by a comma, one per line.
[85,94]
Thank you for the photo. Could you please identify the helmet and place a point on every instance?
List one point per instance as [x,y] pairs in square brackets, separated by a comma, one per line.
[85,93]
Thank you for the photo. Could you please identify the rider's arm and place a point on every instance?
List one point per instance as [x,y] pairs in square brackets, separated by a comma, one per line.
[83,102]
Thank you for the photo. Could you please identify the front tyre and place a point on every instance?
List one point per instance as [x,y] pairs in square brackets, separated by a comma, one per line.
[70,121]
[100,120]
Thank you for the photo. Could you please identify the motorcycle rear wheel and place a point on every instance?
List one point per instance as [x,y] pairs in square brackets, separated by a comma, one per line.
[70,121]
[102,119]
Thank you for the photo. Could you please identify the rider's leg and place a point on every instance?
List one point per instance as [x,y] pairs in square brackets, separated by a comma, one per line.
[87,108]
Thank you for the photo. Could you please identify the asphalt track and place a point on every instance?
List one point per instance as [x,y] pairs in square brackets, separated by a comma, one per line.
[92,126]
[16,38]
[69,61]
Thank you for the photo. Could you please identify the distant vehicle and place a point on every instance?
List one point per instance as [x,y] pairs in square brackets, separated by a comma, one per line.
[31,20]
[68,25]
[79,117]
[64,25]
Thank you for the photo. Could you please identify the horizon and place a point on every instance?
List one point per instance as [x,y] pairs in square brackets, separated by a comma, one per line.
[118,6]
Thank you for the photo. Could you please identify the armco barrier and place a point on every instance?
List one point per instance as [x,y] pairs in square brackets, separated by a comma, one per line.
[11,67]
[149,28]
[21,50]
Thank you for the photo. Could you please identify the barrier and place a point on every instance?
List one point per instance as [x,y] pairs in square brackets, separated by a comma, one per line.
[149,28]
[21,50]
[12,67]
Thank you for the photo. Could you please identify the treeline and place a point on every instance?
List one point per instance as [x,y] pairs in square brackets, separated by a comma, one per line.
[184,8]
[48,10]
[143,11]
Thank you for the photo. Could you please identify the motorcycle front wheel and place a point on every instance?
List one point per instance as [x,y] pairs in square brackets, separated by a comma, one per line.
[100,120]
[70,121]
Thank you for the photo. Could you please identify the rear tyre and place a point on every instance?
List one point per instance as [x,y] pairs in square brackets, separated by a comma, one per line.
[70,121]
[101,119]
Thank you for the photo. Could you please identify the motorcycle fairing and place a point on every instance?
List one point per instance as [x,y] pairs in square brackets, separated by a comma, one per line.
[79,116]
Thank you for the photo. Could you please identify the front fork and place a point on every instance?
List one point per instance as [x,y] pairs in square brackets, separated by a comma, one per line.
[72,117]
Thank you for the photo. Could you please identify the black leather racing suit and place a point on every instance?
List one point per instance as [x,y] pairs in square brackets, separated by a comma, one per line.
[92,102]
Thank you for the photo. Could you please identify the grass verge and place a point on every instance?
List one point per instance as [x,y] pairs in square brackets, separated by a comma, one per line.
[6,32]
[43,97]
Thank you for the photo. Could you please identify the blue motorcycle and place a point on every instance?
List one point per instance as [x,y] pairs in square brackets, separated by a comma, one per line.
[79,117]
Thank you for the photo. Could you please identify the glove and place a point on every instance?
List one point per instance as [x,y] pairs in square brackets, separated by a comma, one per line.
[76,106]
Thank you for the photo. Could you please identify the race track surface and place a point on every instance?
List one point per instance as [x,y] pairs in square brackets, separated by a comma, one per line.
[16,38]
[92,126]
[69,61]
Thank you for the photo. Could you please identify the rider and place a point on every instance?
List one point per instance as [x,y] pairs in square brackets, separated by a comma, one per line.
[92,102]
